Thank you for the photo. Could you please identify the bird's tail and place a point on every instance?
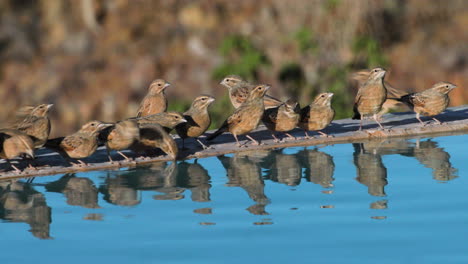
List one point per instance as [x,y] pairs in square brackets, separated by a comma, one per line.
[357,115]
[218,132]
[54,143]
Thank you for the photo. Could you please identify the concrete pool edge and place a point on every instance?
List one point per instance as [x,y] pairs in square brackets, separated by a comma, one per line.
[398,125]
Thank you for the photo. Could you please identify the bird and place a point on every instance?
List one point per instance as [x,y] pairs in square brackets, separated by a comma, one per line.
[168,120]
[318,115]
[319,166]
[80,144]
[36,124]
[370,97]
[430,102]
[283,118]
[155,101]
[155,136]
[245,118]
[392,92]
[370,170]
[239,90]
[15,143]
[122,135]
[198,119]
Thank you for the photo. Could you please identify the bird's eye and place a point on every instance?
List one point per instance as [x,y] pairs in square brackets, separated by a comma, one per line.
[203,99]
[446,86]
[159,84]
[228,80]
[376,70]
[322,95]
[176,117]
[93,124]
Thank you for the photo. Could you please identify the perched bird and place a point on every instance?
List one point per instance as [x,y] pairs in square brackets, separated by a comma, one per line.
[246,117]
[81,144]
[318,115]
[36,124]
[168,120]
[154,136]
[121,136]
[15,143]
[370,97]
[389,104]
[198,119]
[283,118]
[239,90]
[430,102]
[155,101]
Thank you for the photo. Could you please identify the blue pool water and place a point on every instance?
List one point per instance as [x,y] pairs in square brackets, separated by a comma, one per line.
[388,201]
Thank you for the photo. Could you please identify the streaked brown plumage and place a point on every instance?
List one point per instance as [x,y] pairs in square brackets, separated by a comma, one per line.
[168,120]
[15,143]
[245,118]
[389,104]
[318,115]
[283,118]
[430,102]
[80,144]
[239,90]
[154,136]
[36,124]
[370,97]
[155,101]
[121,136]
[198,119]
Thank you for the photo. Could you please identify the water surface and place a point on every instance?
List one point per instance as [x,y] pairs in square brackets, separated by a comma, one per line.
[382,201]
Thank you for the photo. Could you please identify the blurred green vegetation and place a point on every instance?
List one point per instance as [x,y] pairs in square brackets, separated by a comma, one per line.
[241,57]
[367,51]
[306,40]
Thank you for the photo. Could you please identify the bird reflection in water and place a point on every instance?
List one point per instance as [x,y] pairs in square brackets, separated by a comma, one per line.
[194,177]
[429,154]
[370,169]
[319,166]
[243,172]
[20,202]
[284,168]
[79,191]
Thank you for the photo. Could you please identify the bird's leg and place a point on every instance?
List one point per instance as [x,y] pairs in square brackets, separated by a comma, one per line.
[437,121]
[306,134]
[203,145]
[238,144]
[376,120]
[360,123]
[323,134]
[254,142]
[124,156]
[290,136]
[420,121]
[275,139]
[109,156]
[13,166]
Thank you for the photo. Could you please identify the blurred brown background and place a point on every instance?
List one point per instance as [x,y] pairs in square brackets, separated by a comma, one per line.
[95,58]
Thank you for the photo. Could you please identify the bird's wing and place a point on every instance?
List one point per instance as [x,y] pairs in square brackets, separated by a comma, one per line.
[72,142]
[305,112]
[271,115]
[144,106]
[270,101]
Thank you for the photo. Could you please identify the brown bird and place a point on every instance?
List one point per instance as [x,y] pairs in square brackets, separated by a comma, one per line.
[121,136]
[81,144]
[168,120]
[370,170]
[246,117]
[319,166]
[239,90]
[283,118]
[15,143]
[198,119]
[36,124]
[154,136]
[389,104]
[155,101]
[318,115]
[370,97]
[430,102]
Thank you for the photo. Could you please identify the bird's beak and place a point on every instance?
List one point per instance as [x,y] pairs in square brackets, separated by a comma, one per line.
[104,125]
[267,87]
[330,94]
[452,86]
[183,120]
[381,74]
[49,106]
[166,85]
[211,100]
